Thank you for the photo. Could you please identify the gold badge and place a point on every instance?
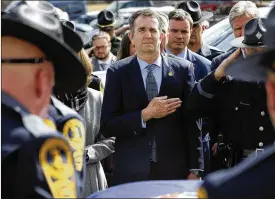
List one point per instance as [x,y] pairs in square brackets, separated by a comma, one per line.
[170,73]
[74,130]
[50,123]
[202,193]
[101,87]
[56,162]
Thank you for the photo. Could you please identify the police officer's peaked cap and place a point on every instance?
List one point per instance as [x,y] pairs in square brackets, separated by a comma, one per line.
[256,67]
[106,19]
[37,23]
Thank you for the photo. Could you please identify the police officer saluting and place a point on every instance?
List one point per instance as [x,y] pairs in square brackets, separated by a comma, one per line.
[239,105]
[106,22]
[36,160]
[254,177]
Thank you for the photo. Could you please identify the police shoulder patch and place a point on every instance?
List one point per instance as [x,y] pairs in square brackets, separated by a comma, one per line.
[202,193]
[57,165]
[74,131]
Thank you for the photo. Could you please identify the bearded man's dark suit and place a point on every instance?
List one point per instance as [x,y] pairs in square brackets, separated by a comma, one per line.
[178,136]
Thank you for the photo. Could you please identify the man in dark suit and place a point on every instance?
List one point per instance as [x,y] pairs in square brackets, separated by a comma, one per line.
[180,29]
[179,37]
[155,139]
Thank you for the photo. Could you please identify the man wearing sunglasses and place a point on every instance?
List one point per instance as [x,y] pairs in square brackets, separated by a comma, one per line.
[36,160]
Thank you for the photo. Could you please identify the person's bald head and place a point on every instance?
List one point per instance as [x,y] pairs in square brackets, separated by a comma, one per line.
[30,84]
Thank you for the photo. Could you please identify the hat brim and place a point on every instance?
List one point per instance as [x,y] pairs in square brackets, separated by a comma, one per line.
[84,37]
[251,69]
[70,74]
[238,42]
[205,16]
[107,26]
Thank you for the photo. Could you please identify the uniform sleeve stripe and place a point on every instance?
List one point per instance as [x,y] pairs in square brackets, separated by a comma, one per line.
[202,92]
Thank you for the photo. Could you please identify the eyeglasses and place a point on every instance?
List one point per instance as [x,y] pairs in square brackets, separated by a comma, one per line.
[101,47]
[25,61]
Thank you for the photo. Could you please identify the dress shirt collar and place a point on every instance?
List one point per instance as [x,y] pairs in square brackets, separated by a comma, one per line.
[182,54]
[143,64]
[108,61]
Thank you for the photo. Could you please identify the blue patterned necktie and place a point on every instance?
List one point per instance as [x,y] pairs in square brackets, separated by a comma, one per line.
[103,66]
[152,91]
[151,84]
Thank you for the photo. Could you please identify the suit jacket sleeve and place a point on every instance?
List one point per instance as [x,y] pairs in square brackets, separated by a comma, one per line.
[193,127]
[114,122]
[202,101]
[100,149]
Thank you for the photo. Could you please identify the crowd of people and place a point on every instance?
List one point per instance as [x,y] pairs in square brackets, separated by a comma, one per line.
[172,107]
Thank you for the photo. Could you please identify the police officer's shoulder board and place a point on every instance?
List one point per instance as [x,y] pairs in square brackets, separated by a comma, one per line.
[43,157]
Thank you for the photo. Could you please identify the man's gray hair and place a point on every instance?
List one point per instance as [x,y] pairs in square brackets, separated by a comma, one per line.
[163,22]
[243,8]
[145,13]
[181,15]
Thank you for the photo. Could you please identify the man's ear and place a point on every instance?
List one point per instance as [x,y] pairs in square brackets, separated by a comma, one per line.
[270,90]
[131,37]
[161,36]
[203,28]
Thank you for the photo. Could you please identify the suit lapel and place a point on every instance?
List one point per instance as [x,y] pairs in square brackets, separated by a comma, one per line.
[167,73]
[136,79]
[95,64]
[190,57]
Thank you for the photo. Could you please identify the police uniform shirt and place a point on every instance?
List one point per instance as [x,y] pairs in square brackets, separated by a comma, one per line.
[36,160]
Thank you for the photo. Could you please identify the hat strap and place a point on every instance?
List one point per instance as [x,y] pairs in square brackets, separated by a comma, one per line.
[25,61]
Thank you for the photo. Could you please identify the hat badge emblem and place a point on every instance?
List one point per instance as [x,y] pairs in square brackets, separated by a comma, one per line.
[259,35]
